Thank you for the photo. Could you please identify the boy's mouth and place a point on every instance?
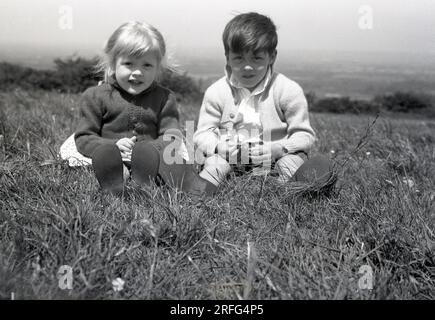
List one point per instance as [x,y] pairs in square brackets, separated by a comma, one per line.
[249,76]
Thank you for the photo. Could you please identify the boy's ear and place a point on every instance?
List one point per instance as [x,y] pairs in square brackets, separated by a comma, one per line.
[273,57]
[228,69]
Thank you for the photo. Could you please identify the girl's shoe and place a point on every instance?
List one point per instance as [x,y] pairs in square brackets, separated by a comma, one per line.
[108,167]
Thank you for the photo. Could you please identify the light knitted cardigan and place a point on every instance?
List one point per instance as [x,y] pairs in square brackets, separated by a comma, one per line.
[283,112]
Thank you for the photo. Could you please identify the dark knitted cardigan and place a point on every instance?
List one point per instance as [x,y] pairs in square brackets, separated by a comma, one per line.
[108,113]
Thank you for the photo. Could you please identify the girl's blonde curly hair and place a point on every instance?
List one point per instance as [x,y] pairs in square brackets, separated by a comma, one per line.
[132,39]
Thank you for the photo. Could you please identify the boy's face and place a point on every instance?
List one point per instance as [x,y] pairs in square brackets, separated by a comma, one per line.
[135,75]
[250,68]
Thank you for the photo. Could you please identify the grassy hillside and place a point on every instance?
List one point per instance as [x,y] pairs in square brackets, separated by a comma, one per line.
[255,239]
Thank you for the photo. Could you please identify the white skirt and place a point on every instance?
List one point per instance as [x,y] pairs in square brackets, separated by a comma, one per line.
[68,151]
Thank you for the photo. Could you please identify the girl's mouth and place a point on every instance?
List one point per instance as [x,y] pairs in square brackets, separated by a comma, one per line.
[135,82]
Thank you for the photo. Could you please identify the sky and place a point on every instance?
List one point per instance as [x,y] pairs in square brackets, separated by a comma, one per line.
[196,26]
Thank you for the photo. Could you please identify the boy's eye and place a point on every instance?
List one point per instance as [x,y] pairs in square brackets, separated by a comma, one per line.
[148,65]
[127,63]
[258,58]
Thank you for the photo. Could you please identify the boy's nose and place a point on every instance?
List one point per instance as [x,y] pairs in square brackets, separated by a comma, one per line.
[248,67]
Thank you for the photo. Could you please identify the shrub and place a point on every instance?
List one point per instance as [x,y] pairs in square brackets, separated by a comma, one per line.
[311,98]
[76,74]
[335,105]
[403,102]
[12,75]
[184,86]
[344,105]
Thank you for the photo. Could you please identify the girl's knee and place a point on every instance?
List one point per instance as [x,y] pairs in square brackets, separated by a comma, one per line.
[106,154]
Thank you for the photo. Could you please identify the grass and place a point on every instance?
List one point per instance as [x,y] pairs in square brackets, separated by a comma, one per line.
[254,240]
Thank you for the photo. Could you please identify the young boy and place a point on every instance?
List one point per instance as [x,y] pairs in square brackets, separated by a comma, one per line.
[255,116]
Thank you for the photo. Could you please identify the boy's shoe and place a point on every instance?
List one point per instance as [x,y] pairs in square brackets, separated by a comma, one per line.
[317,174]
[185,178]
[199,187]
[317,170]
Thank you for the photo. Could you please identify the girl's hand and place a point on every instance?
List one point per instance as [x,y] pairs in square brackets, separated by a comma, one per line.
[125,146]
[266,152]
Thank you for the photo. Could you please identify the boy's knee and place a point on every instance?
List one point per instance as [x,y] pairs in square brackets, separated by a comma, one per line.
[215,169]
[289,164]
[216,161]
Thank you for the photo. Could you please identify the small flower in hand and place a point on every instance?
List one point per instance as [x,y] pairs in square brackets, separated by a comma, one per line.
[266,152]
[125,146]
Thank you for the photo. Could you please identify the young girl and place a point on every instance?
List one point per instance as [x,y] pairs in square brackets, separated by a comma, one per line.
[125,119]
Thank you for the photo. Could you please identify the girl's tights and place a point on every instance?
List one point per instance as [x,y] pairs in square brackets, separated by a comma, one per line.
[147,162]
[109,168]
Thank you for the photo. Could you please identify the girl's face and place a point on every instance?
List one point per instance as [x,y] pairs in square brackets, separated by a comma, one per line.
[250,67]
[135,75]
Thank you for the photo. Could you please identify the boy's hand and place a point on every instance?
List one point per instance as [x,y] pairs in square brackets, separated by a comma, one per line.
[125,146]
[266,152]
[227,148]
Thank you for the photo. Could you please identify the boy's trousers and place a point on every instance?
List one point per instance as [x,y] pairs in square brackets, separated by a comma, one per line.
[216,168]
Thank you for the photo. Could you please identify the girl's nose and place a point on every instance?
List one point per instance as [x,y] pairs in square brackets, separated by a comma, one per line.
[137,72]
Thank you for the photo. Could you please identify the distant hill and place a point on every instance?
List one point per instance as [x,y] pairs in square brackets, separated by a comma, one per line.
[361,75]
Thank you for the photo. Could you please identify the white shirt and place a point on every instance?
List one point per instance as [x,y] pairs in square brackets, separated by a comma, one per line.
[247,121]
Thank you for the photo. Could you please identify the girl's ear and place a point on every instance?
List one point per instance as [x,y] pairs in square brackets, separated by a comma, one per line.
[163,67]
[109,75]
[159,74]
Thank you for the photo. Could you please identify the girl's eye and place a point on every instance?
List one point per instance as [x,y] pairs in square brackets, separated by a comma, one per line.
[258,58]
[127,63]
[148,65]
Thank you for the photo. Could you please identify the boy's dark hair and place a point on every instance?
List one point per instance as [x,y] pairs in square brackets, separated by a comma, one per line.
[250,32]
